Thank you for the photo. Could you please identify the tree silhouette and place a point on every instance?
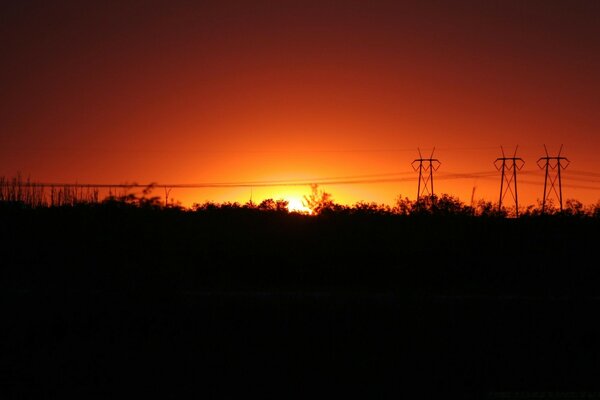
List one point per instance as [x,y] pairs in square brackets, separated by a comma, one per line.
[278,205]
[318,200]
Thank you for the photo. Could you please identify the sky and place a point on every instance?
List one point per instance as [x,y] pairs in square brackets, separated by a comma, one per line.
[237,91]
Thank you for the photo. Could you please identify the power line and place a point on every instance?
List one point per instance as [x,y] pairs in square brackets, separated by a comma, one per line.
[426,168]
[308,182]
[251,151]
[583,173]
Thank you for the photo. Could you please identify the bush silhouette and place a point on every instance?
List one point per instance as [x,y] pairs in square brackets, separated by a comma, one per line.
[318,201]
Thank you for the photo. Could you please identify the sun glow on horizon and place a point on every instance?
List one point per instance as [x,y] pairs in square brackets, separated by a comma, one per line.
[296,205]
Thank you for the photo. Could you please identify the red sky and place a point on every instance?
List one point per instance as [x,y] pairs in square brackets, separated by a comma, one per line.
[192,92]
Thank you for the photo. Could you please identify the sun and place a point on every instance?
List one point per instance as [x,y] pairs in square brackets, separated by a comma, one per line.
[296,205]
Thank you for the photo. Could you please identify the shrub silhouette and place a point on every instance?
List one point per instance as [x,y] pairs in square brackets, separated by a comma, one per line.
[279,205]
[318,201]
[574,208]
[365,208]
[489,210]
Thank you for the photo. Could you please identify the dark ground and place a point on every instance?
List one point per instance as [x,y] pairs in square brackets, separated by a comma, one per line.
[226,304]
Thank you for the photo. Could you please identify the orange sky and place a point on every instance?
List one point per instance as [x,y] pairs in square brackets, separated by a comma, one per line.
[177,92]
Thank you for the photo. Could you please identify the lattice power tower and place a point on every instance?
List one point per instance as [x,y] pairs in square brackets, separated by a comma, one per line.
[508,181]
[426,168]
[552,167]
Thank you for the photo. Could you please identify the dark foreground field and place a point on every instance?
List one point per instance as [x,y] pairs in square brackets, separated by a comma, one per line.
[230,304]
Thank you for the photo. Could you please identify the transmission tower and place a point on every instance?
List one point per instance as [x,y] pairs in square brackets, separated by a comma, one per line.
[552,167]
[426,168]
[509,167]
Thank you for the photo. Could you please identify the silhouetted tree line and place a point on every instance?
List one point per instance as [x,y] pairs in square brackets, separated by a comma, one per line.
[322,203]
[26,193]
[444,205]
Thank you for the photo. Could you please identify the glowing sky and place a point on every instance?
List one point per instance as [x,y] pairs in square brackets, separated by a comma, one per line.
[186,92]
